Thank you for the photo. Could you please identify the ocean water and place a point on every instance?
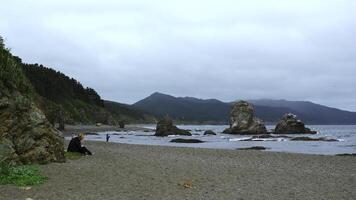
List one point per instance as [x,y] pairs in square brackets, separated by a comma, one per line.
[345,134]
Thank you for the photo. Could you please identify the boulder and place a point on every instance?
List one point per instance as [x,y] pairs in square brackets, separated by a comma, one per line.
[243,121]
[165,127]
[181,140]
[254,148]
[209,132]
[290,124]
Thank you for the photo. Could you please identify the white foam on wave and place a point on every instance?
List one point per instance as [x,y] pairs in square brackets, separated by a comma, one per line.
[238,139]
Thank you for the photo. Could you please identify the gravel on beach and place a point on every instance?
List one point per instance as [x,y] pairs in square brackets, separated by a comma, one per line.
[123,171]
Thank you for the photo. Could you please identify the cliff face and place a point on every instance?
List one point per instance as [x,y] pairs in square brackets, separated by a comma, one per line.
[25,134]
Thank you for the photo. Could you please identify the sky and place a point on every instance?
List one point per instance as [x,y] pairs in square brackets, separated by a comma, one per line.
[226,49]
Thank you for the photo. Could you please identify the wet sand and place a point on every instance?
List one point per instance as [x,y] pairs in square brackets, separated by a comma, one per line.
[122,171]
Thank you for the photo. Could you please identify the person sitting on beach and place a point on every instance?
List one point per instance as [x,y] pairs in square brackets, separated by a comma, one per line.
[75,145]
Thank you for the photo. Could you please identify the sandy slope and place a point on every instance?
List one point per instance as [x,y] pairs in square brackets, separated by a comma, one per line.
[121,171]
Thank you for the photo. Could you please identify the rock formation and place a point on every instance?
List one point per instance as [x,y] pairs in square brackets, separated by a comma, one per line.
[25,134]
[290,124]
[182,140]
[209,132]
[243,121]
[165,127]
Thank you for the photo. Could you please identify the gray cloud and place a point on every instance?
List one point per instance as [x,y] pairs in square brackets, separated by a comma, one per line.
[297,50]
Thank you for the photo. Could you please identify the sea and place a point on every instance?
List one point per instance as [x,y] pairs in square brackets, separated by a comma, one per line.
[345,136]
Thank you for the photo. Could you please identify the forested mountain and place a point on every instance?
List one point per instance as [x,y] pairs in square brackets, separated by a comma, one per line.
[184,109]
[311,112]
[132,114]
[58,87]
[189,109]
[66,100]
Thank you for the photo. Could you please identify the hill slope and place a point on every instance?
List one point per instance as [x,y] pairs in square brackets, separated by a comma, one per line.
[184,108]
[311,112]
[65,99]
[118,110]
[189,109]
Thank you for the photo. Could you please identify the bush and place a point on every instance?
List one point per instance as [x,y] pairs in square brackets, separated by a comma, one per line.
[24,175]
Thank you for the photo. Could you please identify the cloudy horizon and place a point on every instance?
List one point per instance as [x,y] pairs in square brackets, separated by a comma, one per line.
[227,50]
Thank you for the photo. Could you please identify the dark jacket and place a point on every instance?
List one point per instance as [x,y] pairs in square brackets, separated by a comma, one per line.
[75,145]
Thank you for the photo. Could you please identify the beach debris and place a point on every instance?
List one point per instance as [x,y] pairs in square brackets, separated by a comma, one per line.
[26,188]
[253,148]
[243,121]
[187,184]
[290,124]
[181,140]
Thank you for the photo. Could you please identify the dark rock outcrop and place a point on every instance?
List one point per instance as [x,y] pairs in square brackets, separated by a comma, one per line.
[209,132]
[165,127]
[254,148]
[266,136]
[347,154]
[181,140]
[122,124]
[322,139]
[290,124]
[25,134]
[243,121]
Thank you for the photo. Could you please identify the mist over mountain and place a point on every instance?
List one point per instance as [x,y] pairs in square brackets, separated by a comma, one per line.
[194,110]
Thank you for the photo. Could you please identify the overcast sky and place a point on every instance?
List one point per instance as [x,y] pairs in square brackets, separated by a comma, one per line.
[224,49]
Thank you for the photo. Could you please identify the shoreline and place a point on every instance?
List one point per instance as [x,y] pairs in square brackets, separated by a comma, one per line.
[75,129]
[126,171]
[139,134]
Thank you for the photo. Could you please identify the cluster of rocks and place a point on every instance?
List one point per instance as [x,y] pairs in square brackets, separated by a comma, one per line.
[165,127]
[243,121]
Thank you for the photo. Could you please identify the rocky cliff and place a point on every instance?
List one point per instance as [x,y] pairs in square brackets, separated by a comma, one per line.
[25,134]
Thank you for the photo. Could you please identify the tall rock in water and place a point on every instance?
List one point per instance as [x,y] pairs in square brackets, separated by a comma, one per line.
[165,127]
[25,134]
[243,121]
[290,124]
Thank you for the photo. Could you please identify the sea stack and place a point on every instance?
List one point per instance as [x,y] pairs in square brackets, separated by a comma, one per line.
[165,127]
[290,124]
[243,121]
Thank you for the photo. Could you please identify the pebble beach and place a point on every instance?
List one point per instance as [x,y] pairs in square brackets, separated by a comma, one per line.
[126,171]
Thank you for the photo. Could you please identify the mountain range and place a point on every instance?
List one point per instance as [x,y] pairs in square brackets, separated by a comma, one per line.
[194,110]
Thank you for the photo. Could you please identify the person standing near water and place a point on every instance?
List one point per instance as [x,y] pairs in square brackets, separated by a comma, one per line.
[107,137]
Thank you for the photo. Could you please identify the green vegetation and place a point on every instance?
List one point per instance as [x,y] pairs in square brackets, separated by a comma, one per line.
[24,175]
[11,75]
[127,113]
[65,99]
[72,155]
